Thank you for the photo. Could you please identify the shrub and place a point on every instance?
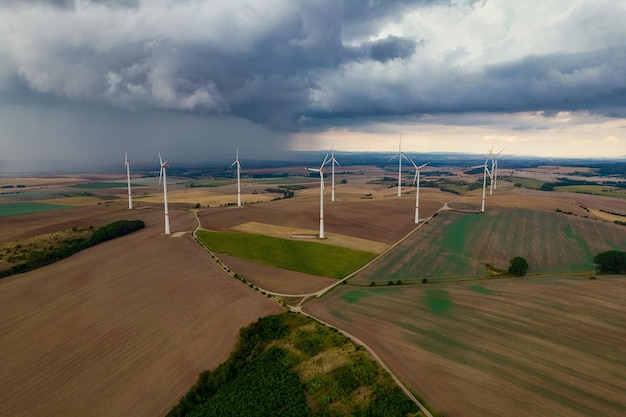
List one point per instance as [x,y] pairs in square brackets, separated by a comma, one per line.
[425,281]
[518,266]
[372,283]
[611,261]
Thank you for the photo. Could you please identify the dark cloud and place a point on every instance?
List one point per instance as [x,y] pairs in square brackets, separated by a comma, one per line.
[290,65]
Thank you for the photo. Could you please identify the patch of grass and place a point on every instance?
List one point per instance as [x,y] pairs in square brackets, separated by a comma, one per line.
[438,300]
[309,257]
[604,190]
[15,209]
[480,289]
[353,296]
[527,183]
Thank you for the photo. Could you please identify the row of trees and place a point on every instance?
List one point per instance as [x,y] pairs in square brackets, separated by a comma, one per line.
[37,259]
[612,261]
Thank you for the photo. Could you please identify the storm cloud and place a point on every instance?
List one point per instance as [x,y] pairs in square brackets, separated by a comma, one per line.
[289,66]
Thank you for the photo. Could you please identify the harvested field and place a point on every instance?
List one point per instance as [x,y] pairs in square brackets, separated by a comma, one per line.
[528,346]
[383,220]
[208,197]
[304,234]
[122,328]
[507,196]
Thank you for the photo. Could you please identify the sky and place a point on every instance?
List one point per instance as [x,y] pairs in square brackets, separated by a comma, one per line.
[81,81]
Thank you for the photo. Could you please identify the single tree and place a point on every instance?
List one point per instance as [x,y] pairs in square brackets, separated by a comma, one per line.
[518,266]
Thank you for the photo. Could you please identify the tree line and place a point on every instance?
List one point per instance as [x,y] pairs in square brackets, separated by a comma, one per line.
[39,258]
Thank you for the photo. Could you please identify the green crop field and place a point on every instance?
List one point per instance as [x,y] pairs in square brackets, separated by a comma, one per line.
[309,257]
[103,185]
[527,182]
[15,209]
[604,190]
[458,246]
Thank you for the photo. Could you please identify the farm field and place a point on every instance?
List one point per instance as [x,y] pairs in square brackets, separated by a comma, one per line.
[121,328]
[132,334]
[384,220]
[458,245]
[15,209]
[309,257]
[525,346]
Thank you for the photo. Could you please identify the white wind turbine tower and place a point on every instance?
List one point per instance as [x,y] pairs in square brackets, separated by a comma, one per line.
[332,161]
[238,177]
[486,171]
[416,180]
[494,169]
[400,155]
[127,165]
[321,171]
[163,175]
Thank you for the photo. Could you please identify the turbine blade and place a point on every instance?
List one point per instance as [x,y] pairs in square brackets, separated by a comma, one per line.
[325,162]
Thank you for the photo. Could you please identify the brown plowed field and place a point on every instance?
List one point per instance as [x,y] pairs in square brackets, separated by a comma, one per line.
[123,328]
[530,347]
[385,219]
[513,197]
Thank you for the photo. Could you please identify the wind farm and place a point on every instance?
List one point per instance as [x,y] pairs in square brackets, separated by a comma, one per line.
[445,236]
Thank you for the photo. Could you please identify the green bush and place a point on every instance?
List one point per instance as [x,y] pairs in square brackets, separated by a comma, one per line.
[611,261]
[518,266]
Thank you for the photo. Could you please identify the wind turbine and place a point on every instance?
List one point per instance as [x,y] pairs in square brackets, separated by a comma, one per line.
[127,165]
[416,180]
[494,169]
[486,171]
[163,175]
[321,171]
[332,161]
[400,155]
[238,177]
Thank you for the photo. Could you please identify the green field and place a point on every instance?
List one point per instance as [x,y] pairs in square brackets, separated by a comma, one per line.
[15,209]
[103,185]
[604,190]
[458,246]
[527,182]
[309,257]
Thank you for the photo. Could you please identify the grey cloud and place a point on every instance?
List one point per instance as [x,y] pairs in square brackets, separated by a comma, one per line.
[383,50]
[274,78]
